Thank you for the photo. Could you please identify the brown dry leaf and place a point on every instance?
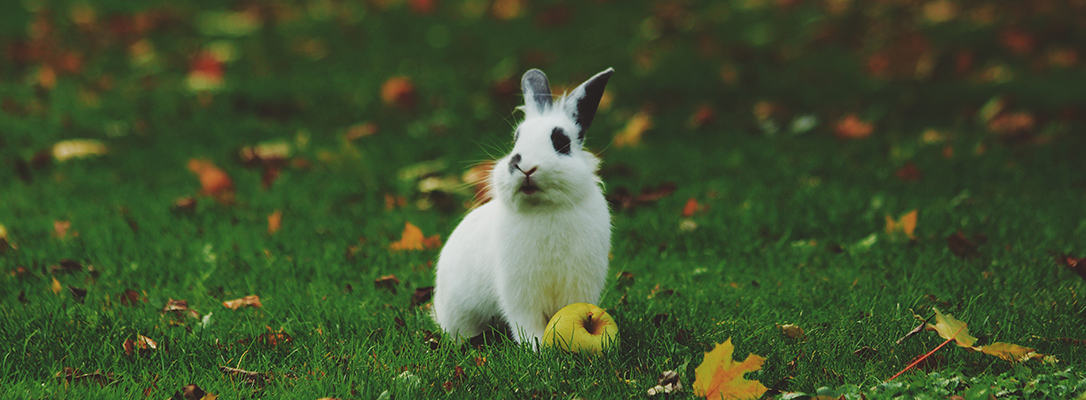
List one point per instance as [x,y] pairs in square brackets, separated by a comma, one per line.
[192,392]
[247,301]
[950,328]
[635,128]
[387,282]
[180,308]
[214,181]
[904,225]
[274,220]
[478,177]
[77,148]
[422,295]
[719,376]
[398,91]
[851,127]
[621,198]
[413,239]
[142,344]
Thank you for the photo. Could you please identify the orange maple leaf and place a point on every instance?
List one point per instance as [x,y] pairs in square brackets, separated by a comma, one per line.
[906,224]
[720,377]
[413,239]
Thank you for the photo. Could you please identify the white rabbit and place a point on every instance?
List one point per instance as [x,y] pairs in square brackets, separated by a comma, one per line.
[542,242]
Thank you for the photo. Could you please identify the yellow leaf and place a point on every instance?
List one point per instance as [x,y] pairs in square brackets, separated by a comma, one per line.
[274,221]
[412,239]
[631,134]
[719,376]
[948,327]
[1010,352]
[56,286]
[906,224]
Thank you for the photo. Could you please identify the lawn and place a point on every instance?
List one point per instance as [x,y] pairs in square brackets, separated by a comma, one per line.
[757,155]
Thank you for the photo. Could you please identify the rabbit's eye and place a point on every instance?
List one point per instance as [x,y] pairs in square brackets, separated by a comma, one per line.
[560,141]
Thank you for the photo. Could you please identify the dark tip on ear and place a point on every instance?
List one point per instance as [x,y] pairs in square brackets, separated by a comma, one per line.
[587,105]
[537,91]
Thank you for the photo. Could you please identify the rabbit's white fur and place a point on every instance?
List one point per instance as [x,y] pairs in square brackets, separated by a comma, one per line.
[526,254]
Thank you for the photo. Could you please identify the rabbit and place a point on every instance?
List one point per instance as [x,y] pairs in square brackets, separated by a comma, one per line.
[542,241]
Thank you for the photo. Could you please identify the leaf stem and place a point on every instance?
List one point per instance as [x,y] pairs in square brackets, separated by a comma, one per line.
[925,356]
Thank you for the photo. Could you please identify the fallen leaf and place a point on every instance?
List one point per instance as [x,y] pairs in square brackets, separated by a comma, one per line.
[961,246]
[247,301]
[65,266]
[272,152]
[4,245]
[77,148]
[61,228]
[622,198]
[274,221]
[192,392]
[704,115]
[72,375]
[692,207]
[398,91]
[360,130]
[1078,265]
[205,72]
[252,377]
[214,181]
[422,295]
[851,127]
[56,286]
[77,294]
[387,282]
[904,225]
[413,239]
[668,382]
[908,173]
[950,328]
[506,10]
[180,308]
[185,204]
[142,345]
[719,376]
[635,128]
[1010,352]
[791,331]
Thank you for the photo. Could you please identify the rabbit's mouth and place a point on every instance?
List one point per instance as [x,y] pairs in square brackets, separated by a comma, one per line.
[528,188]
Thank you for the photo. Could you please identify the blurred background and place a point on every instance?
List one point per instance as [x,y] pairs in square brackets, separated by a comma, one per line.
[115,68]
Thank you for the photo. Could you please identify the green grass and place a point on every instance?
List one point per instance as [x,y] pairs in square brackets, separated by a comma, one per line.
[779,241]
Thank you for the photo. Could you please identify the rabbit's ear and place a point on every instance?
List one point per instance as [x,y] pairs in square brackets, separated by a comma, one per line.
[537,92]
[582,102]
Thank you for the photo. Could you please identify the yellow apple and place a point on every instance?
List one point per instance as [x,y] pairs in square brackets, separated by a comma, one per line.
[581,327]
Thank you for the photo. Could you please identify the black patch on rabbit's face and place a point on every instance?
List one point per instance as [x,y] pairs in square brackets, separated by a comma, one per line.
[513,163]
[560,141]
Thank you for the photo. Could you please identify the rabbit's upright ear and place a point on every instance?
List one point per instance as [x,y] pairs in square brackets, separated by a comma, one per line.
[537,92]
[582,102]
